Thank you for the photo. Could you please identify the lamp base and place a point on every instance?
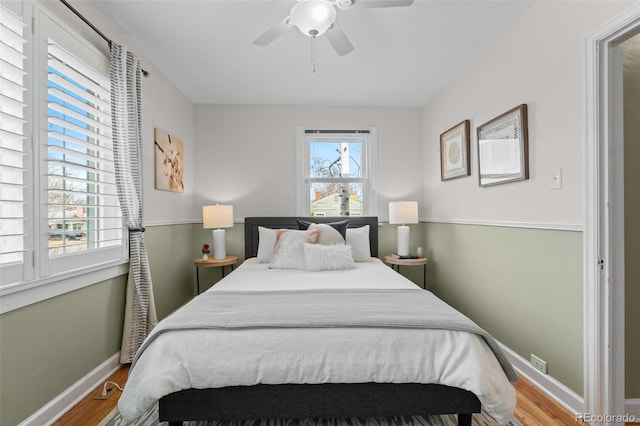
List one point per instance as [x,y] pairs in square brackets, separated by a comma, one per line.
[219,249]
[403,240]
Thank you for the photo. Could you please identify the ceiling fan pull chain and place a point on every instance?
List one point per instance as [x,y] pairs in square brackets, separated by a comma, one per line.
[313,54]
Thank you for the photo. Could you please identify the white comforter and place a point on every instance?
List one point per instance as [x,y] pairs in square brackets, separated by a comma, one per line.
[218,358]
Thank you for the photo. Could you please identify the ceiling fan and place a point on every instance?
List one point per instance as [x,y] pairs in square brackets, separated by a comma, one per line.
[316,17]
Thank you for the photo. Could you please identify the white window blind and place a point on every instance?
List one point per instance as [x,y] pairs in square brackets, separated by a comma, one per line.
[83,210]
[12,146]
[60,222]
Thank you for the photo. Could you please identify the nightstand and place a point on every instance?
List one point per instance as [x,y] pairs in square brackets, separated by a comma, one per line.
[213,263]
[396,263]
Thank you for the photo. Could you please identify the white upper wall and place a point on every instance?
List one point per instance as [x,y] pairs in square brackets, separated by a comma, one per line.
[163,106]
[539,62]
[167,109]
[246,154]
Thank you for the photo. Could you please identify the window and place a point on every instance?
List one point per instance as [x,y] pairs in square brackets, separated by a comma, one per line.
[58,201]
[335,172]
[83,211]
[12,147]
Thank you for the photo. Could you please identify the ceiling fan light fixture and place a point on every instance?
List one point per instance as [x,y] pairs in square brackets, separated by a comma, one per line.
[344,4]
[313,17]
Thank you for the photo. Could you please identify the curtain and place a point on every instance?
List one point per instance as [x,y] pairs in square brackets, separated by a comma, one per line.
[140,313]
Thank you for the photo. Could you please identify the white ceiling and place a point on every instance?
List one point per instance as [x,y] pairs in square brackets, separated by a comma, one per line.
[403,56]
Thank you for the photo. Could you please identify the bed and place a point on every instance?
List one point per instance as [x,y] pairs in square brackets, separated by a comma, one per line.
[325,384]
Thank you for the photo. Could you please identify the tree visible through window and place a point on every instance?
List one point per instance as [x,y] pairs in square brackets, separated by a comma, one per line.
[83,212]
[59,211]
[337,173]
[333,164]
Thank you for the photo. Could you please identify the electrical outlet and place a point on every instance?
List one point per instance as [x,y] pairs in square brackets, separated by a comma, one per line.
[99,394]
[539,364]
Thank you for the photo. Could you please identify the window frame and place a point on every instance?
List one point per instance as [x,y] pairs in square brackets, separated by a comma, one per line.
[18,270]
[305,135]
[43,276]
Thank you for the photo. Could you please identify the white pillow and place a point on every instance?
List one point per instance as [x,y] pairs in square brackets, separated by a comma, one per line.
[335,257]
[358,239]
[289,253]
[266,244]
[327,234]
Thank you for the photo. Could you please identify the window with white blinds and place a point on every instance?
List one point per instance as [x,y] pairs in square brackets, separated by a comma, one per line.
[60,222]
[83,210]
[12,146]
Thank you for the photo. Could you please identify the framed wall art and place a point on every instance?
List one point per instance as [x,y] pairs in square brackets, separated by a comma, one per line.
[503,148]
[454,152]
[169,161]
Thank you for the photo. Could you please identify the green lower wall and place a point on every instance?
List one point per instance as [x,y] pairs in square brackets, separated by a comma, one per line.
[46,347]
[171,253]
[524,286]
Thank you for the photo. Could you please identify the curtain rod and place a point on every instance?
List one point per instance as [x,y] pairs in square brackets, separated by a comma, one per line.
[93,27]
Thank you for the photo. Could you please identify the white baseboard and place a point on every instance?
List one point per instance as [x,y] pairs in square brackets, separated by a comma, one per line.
[556,390]
[62,403]
[632,408]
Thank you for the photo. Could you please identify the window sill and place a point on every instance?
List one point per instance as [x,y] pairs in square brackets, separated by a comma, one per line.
[19,295]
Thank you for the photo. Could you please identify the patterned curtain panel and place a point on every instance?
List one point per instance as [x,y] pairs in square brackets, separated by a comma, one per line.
[140,312]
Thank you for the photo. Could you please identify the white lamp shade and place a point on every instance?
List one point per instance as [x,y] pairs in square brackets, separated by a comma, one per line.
[403,212]
[218,216]
[313,17]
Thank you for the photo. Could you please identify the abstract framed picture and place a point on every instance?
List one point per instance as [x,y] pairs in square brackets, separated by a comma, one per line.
[169,162]
[454,152]
[503,148]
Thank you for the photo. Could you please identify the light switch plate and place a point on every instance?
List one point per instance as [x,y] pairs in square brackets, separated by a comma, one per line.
[555,179]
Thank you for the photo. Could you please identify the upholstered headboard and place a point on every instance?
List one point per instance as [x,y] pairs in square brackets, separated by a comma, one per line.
[251,225]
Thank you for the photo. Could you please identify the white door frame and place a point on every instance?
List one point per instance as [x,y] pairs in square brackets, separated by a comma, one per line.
[603,269]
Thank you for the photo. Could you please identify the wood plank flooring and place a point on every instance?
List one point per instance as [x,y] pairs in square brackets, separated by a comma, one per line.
[91,411]
[534,407]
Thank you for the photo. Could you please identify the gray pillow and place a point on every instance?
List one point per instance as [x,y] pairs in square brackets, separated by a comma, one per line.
[340,226]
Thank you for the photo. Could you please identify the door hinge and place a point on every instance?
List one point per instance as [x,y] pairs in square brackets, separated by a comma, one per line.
[601,263]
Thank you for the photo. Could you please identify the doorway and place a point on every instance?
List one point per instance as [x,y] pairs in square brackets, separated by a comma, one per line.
[604,237]
[631,126]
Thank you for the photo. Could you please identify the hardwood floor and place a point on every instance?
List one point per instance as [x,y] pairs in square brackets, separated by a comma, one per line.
[534,407]
[91,411]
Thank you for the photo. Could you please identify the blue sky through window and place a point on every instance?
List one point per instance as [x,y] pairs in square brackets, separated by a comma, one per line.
[324,154]
[53,155]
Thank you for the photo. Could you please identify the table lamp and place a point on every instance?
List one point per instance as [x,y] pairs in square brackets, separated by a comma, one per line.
[218,217]
[402,213]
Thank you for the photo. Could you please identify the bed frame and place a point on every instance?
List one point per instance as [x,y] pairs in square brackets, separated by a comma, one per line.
[292,401]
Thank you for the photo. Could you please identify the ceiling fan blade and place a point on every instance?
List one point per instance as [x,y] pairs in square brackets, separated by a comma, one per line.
[367,4]
[338,40]
[274,32]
